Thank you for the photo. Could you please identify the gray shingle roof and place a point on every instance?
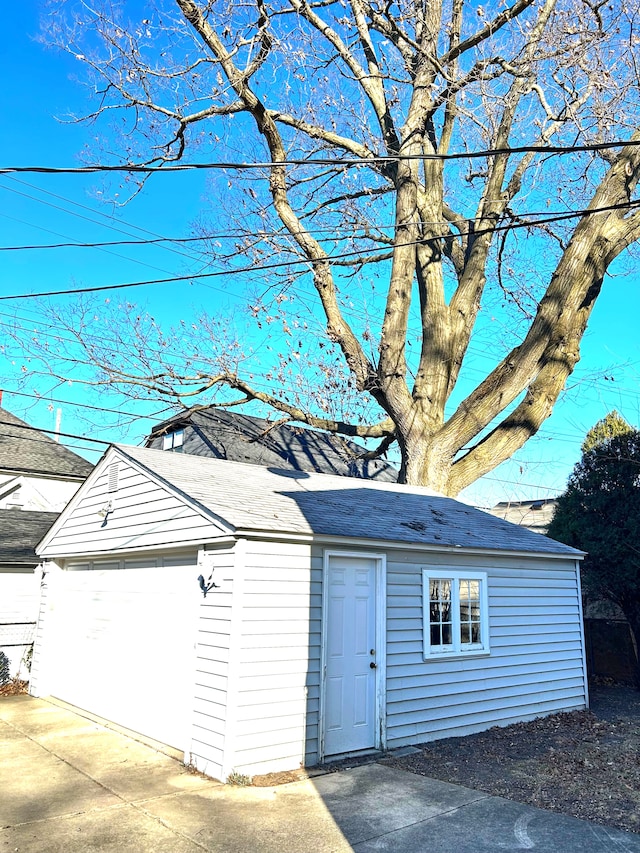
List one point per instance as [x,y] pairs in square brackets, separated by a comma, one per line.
[20,532]
[26,450]
[535,515]
[221,434]
[251,497]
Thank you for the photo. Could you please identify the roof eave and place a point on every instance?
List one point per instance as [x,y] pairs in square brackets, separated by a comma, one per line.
[361,542]
[48,475]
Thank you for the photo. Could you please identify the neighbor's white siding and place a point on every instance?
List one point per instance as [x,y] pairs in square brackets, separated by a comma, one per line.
[277,660]
[31,492]
[144,514]
[211,690]
[38,679]
[19,595]
[536,664]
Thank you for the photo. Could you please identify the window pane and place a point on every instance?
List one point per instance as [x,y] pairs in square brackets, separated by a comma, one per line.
[440,631]
[434,590]
[454,614]
[439,589]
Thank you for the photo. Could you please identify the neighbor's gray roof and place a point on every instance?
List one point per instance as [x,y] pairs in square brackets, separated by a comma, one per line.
[221,434]
[251,497]
[20,532]
[27,450]
[535,515]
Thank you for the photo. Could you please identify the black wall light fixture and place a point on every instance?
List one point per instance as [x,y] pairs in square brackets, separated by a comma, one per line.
[205,586]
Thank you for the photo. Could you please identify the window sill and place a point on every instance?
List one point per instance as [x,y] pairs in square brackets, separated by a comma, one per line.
[479,653]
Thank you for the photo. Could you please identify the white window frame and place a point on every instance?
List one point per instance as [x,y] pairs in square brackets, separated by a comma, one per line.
[457,648]
[173,440]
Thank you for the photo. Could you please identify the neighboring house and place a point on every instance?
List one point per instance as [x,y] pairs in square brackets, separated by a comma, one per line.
[535,515]
[222,434]
[342,615]
[36,473]
[38,477]
[20,532]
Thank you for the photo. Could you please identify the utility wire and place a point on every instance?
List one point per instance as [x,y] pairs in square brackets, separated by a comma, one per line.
[49,431]
[322,161]
[26,427]
[111,219]
[43,399]
[516,483]
[547,215]
[257,268]
[88,219]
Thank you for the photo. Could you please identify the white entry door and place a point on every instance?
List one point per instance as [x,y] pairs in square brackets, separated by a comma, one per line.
[351,657]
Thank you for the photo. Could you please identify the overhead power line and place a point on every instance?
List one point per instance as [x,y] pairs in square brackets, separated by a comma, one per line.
[28,428]
[172,166]
[113,224]
[257,268]
[52,432]
[545,217]
[106,243]
[44,399]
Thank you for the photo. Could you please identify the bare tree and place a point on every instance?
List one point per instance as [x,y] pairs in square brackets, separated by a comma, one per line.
[405,146]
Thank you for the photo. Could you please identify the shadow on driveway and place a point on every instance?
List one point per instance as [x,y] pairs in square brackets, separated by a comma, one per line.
[69,784]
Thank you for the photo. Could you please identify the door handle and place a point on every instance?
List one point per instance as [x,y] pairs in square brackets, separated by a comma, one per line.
[373,665]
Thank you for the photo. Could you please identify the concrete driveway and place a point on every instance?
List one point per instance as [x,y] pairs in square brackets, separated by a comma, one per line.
[69,784]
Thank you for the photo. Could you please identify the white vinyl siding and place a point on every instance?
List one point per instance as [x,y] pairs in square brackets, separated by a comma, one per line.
[37,681]
[536,662]
[278,658]
[142,514]
[211,693]
[39,494]
[19,594]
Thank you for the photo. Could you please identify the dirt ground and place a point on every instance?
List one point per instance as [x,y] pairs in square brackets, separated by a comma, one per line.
[582,763]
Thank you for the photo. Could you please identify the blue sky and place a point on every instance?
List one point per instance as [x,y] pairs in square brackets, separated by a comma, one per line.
[35,209]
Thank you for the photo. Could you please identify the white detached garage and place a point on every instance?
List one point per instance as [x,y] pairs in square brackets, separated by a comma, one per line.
[340,615]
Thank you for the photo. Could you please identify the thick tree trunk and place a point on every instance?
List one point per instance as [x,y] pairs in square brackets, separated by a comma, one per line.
[423,461]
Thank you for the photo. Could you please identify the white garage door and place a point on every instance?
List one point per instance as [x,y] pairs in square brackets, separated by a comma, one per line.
[122,637]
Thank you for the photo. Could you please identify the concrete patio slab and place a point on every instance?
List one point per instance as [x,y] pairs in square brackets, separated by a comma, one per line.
[70,784]
[35,785]
[9,733]
[287,819]
[125,766]
[493,824]
[120,828]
